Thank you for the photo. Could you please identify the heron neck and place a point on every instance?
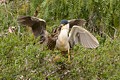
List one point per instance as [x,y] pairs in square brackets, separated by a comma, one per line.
[63,36]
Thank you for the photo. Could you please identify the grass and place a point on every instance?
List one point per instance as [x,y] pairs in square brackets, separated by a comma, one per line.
[22,58]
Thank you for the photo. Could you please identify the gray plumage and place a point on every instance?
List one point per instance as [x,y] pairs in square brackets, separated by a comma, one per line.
[80,35]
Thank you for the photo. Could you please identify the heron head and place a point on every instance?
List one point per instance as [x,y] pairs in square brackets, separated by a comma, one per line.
[64,22]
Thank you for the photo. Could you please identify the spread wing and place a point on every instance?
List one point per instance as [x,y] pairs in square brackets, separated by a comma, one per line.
[78,22]
[38,25]
[80,35]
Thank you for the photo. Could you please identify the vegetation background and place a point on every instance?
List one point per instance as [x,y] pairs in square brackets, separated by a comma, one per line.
[21,58]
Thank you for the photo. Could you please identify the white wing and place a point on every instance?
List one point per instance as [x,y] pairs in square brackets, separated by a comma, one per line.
[80,35]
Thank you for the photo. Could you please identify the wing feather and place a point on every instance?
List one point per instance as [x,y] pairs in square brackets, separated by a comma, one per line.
[78,22]
[87,41]
[38,25]
[84,37]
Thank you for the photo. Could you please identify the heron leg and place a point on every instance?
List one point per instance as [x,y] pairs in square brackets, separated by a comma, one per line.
[68,55]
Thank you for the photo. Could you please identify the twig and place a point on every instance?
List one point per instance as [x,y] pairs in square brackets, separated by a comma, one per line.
[65,73]
[53,72]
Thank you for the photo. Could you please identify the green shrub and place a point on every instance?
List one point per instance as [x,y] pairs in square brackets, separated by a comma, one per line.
[21,57]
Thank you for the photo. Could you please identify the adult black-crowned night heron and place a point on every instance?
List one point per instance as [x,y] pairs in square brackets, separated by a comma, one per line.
[68,34]
[68,38]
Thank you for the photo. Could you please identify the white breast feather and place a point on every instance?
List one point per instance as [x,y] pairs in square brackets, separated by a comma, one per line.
[62,41]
